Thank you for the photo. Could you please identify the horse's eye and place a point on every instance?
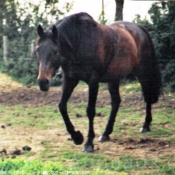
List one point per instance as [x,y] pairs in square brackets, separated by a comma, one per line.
[36,50]
[55,52]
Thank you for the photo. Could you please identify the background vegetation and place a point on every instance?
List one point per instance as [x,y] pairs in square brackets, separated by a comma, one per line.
[19,24]
[161,27]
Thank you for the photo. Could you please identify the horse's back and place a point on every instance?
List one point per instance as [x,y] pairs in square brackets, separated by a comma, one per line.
[127,49]
[128,28]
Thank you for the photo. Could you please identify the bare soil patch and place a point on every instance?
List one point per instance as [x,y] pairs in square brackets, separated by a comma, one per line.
[11,138]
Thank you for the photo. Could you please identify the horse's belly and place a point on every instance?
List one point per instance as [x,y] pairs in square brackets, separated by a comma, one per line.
[119,68]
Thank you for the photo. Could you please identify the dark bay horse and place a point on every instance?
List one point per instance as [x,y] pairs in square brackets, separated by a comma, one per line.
[94,53]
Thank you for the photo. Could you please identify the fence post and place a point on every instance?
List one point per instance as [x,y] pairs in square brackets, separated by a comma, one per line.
[32,48]
[5,48]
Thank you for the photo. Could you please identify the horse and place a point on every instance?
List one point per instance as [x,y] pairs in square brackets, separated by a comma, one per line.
[95,53]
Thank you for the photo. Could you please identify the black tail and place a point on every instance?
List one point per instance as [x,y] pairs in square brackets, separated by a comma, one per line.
[150,76]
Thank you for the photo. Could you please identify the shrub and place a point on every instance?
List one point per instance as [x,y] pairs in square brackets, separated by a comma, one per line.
[162,31]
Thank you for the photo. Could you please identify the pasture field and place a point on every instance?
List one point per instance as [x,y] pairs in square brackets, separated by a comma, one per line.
[30,118]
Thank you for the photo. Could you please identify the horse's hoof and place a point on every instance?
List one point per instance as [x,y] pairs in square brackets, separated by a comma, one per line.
[104,138]
[78,138]
[88,148]
[145,130]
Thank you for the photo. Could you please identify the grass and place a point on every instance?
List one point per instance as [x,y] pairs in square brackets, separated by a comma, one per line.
[30,117]
[17,166]
[131,87]
[88,164]
[53,152]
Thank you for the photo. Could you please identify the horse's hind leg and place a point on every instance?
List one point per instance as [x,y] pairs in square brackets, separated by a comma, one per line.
[115,102]
[148,119]
[150,82]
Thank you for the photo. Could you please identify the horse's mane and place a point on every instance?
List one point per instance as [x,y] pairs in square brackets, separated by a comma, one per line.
[73,29]
[72,20]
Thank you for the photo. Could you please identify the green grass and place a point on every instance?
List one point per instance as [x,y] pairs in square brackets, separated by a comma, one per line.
[69,159]
[131,87]
[18,166]
[87,163]
[29,117]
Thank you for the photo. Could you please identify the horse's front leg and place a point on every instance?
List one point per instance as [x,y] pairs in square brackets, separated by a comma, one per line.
[93,91]
[67,90]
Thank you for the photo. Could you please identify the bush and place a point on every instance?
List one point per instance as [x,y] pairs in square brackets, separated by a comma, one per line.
[19,23]
[162,31]
[24,71]
[21,70]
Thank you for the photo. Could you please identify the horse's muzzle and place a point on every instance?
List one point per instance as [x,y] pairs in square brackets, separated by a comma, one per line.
[43,84]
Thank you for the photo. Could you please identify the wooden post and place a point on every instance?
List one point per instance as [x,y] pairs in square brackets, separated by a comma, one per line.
[32,48]
[103,11]
[5,48]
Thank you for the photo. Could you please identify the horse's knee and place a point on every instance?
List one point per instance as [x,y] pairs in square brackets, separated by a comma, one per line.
[116,101]
[62,107]
[90,112]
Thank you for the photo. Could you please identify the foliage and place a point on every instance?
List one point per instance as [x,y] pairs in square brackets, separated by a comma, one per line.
[30,167]
[22,70]
[19,22]
[102,19]
[161,28]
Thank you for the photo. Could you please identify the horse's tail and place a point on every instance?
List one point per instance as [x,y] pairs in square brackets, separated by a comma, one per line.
[150,76]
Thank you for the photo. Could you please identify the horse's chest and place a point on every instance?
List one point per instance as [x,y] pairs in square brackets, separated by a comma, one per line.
[79,72]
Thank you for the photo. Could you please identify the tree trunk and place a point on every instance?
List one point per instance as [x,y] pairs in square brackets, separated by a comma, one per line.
[5,48]
[119,10]
[2,7]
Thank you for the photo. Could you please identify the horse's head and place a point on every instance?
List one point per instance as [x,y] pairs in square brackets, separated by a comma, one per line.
[48,55]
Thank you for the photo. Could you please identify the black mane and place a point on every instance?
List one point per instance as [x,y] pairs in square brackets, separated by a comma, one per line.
[73,19]
[73,30]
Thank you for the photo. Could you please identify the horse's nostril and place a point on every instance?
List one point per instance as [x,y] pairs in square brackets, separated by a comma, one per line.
[47,81]
[43,81]
[43,84]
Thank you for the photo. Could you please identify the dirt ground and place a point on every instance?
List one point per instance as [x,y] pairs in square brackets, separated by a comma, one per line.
[12,93]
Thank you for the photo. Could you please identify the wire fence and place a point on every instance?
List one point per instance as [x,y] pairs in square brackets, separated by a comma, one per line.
[30,53]
[19,53]
[26,49]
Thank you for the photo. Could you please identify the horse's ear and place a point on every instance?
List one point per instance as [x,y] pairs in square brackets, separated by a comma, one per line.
[40,30]
[54,32]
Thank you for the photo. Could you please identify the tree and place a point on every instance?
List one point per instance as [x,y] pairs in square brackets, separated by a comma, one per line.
[19,24]
[119,10]
[162,31]
[2,11]
[101,17]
